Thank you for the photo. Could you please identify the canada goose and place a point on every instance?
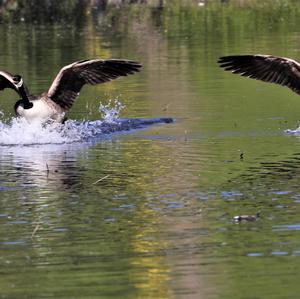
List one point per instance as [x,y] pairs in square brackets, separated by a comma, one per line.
[279,70]
[65,88]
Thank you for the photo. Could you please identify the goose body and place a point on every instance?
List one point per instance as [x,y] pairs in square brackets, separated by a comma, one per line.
[65,88]
[267,68]
[43,108]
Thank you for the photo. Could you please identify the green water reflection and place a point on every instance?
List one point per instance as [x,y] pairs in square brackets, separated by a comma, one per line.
[159,225]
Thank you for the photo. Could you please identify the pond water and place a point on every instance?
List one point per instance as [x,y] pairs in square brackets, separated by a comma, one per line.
[148,213]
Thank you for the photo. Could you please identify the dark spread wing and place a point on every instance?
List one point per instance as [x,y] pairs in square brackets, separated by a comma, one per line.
[6,81]
[71,78]
[279,70]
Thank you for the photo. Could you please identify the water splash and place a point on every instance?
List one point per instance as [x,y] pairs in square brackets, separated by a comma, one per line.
[17,131]
[111,111]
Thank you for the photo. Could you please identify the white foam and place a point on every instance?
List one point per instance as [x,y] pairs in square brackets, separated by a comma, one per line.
[111,111]
[17,131]
[293,132]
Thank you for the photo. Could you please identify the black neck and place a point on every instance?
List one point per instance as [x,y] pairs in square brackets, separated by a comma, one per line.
[27,104]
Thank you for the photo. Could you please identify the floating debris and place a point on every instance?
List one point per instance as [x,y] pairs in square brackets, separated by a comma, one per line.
[249,218]
[105,177]
[36,229]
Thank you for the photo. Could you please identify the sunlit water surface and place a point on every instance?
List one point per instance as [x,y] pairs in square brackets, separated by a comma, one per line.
[90,210]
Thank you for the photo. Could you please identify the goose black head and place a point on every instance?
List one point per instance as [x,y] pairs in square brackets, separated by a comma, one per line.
[24,101]
[18,81]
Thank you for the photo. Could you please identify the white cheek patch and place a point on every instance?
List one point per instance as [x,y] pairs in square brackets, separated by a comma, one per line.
[20,83]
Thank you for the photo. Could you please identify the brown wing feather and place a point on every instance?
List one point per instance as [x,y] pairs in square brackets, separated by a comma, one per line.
[6,81]
[71,78]
[279,70]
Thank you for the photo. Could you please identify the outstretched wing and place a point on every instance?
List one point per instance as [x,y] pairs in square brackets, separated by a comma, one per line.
[71,78]
[6,81]
[279,70]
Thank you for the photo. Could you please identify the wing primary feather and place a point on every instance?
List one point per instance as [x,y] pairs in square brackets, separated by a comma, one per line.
[71,78]
[267,68]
